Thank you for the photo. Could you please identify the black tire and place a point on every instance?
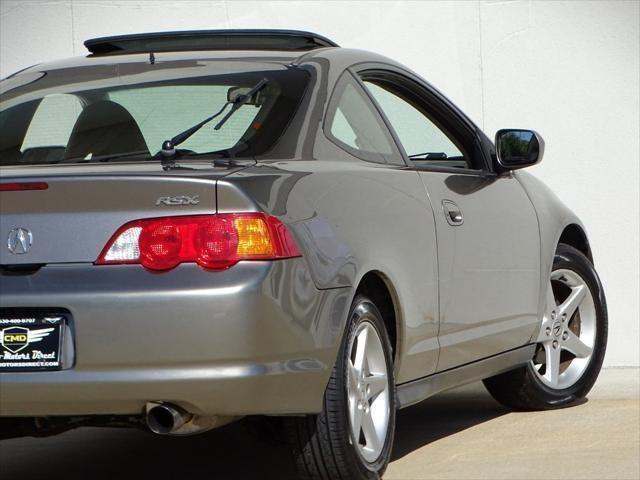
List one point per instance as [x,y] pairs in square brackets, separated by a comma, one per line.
[521,389]
[322,444]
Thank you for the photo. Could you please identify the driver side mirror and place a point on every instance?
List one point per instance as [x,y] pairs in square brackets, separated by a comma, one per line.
[518,148]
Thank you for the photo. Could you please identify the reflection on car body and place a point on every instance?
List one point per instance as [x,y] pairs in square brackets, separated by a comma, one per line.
[327,240]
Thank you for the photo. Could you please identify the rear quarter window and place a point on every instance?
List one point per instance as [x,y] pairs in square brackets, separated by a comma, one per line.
[353,124]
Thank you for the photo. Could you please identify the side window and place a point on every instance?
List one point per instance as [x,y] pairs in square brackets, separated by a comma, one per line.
[354,125]
[423,141]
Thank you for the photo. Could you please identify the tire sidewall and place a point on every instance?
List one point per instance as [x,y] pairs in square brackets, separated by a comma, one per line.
[569,258]
[364,310]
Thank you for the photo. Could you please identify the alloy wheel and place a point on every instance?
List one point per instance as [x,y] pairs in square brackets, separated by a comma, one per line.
[567,336]
[368,392]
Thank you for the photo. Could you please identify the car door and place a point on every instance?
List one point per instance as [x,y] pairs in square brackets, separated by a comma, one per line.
[486,228]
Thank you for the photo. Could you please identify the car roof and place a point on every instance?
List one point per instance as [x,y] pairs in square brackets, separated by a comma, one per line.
[89,60]
[283,47]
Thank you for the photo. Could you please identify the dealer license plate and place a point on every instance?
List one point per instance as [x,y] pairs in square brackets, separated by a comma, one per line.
[31,342]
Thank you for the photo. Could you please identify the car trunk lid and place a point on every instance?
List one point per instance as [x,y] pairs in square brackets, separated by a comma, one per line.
[75,209]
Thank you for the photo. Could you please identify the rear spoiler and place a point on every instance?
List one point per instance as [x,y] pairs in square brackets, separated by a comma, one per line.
[287,40]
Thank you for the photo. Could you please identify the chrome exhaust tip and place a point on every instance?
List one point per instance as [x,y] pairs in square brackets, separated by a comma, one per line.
[164,418]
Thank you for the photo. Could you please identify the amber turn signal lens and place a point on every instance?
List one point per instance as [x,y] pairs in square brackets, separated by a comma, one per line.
[253,237]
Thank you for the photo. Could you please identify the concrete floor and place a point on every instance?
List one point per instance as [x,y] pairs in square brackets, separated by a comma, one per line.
[461,434]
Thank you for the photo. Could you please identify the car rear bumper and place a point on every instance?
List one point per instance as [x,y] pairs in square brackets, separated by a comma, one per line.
[258,338]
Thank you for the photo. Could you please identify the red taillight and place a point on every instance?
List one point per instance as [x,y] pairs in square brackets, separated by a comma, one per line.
[19,186]
[213,241]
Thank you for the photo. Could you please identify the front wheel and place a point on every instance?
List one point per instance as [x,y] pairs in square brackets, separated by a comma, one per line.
[571,343]
[352,437]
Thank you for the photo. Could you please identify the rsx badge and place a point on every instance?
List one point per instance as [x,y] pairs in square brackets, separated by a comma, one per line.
[178,200]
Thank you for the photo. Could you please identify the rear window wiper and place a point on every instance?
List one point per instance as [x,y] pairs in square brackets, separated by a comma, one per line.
[106,157]
[169,146]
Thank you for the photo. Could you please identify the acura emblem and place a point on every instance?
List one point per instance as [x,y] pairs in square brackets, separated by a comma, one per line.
[19,241]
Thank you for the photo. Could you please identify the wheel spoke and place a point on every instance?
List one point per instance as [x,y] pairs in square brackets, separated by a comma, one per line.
[361,351]
[547,319]
[552,369]
[352,377]
[370,432]
[376,384]
[576,346]
[551,299]
[573,301]
[356,419]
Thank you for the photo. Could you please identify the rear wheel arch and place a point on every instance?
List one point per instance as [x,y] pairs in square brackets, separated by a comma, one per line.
[378,288]
[575,236]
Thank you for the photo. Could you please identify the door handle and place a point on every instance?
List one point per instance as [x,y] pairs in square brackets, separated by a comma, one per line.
[452,213]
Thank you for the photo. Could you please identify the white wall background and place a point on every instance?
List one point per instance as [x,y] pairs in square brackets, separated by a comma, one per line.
[567,69]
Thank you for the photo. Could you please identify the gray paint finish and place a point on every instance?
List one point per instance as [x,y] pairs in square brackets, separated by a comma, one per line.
[553,217]
[179,334]
[491,262]
[262,337]
[353,217]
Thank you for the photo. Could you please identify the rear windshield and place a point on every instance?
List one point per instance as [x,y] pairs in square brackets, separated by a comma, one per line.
[90,120]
